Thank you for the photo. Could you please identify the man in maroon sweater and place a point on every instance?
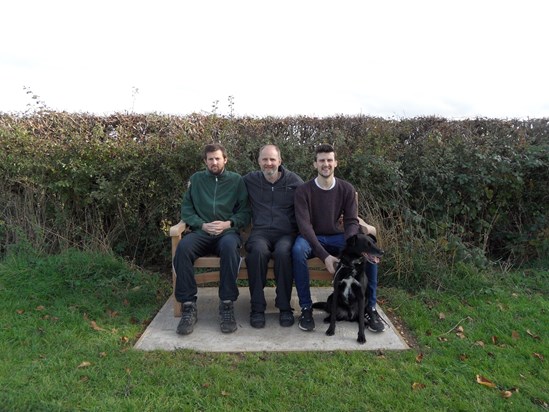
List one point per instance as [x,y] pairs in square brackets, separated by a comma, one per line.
[319,204]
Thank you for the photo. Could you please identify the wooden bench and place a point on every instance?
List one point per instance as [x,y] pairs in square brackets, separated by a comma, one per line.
[211,264]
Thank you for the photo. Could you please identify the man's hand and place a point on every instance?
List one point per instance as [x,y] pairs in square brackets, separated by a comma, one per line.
[331,262]
[217,227]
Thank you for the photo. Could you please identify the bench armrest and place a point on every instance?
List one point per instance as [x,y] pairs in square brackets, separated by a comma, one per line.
[368,229]
[175,233]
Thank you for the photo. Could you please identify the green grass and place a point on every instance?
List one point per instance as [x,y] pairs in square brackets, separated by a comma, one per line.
[47,305]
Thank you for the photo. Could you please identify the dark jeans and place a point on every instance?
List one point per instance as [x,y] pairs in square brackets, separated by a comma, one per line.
[261,246]
[196,244]
[333,244]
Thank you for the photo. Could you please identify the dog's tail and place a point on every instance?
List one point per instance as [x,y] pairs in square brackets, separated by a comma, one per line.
[321,305]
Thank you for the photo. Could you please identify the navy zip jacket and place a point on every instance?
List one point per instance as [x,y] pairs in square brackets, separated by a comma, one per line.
[273,203]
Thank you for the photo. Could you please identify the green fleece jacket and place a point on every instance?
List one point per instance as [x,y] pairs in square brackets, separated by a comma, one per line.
[210,197]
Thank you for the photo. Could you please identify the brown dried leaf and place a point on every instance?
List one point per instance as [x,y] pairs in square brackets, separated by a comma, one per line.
[224,393]
[515,334]
[124,339]
[41,307]
[459,329]
[479,343]
[463,357]
[112,313]
[419,358]
[483,381]
[532,335]
[417,386]
[538,355]
[495,340]
[460,335]
[102,354]
[95,327]
[442,339]
[84,364]
[20,311]
[441,316]
[506,394]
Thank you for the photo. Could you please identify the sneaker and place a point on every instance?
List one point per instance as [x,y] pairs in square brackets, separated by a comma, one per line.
[306,321]
[188,318]
[257,319]
[286,318]
[227,321]
[374,321]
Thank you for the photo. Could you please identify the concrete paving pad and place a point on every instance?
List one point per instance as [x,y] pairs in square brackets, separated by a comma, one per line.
[207,337]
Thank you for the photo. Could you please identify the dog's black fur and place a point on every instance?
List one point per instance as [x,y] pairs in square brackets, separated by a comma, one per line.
[350,284]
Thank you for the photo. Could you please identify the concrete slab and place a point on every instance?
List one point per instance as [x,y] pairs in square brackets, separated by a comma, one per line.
[207,337]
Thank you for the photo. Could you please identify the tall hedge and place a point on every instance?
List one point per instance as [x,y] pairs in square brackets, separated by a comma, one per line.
[116,182]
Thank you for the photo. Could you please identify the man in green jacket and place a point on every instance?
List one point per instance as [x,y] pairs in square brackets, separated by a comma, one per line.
[215,207]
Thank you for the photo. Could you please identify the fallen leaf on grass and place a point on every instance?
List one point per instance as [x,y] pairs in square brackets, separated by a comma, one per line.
[41,307]
[479,343]
[102,354]
[441,316]
[460,335]
[84,378]
[460,329]
[538,355]
[84,364]
[124,339]
[20,311]
[224,393]
[419,358]
[495,340]
[483,381]
[463,357]
[515,334]
[206,385]
[508,392]
[417,385]
[95,327]
[112,313]
[532,335]
[442,339]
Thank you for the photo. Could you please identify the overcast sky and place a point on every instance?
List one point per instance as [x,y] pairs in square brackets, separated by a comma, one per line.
[389,58]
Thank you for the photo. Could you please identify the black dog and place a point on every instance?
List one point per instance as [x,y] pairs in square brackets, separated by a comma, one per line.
[350,283]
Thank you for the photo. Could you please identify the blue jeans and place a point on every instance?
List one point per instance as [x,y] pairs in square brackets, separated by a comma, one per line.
[334,244]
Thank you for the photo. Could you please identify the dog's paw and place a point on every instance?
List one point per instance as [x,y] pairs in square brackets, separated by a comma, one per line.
[361,339]
[330,332]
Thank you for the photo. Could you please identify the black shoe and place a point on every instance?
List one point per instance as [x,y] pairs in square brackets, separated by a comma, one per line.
[257,319]
[227,321]
[374,321]
[286,318]
[188,318]
[306,321]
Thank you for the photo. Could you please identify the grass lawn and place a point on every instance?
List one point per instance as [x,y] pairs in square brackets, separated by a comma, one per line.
[68,324]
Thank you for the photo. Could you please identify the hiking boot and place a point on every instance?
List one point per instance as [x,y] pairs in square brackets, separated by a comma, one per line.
[257,319]
[286,318]
[306,321]
[188,318]
[227,321]
[374,321]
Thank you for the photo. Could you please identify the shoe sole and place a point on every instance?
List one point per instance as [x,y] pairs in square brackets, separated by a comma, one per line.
[306,330]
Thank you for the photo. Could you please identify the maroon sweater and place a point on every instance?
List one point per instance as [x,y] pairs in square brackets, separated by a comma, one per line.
[318,211]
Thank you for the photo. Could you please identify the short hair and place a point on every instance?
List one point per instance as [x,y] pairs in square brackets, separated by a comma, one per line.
[213,147]
[324,148]
[273,145]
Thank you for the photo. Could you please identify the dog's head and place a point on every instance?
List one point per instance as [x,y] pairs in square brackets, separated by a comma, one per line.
[365,246]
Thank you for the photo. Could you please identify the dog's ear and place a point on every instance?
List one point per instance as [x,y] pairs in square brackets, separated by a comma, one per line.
[352,240]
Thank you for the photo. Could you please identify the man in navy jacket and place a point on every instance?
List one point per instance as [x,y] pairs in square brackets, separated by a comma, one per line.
[274,228]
